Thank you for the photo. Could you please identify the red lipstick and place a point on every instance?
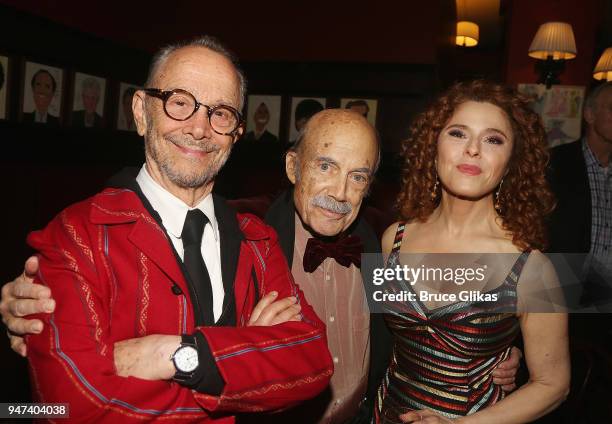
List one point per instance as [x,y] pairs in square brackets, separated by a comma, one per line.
[469,169]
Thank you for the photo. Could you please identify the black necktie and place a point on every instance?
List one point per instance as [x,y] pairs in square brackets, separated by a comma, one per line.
[193,230]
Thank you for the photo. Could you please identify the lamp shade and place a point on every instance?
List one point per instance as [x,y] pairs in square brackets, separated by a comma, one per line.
[603,69]
[467,34]
[554,39]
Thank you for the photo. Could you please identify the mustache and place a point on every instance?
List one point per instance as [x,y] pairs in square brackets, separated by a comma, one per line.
[204,146]
[331,204]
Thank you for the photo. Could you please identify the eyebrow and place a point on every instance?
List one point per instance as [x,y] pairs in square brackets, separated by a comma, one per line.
[326,159]
[365,170]
[225,103]
[331,161]
[465,127]
[218,102]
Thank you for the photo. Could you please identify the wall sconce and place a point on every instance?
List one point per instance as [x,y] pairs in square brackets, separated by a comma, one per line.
[603,69]
[467,34]
[553,44]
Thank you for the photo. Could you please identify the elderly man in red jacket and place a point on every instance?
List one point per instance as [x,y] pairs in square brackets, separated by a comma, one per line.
[172,305]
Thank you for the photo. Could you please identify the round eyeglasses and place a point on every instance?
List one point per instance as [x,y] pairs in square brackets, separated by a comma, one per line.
[181,105]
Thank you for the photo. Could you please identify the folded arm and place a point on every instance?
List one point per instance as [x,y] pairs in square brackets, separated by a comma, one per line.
[270,367]
[148,357]
[277,359]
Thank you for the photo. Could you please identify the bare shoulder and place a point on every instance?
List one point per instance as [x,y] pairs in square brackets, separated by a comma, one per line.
[539,289]
[538,263]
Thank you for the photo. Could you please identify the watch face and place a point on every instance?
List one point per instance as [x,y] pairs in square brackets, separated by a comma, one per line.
[186,359]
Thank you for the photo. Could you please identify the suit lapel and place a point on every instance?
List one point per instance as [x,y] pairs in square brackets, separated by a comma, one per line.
[584,187]
[149,235]
[576,176]
[371,246]
[230,239]
[153,242]
[281,217]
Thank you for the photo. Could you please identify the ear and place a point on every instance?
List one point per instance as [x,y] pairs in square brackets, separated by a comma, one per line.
[138,109]
[238,134]
[290,164]
[589,116]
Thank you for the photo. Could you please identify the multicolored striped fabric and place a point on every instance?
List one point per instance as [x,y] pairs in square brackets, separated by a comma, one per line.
[443,358]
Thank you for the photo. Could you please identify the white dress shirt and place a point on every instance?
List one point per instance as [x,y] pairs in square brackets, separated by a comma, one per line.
[39,117]
[173,211]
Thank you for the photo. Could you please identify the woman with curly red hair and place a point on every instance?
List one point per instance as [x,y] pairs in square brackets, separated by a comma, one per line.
[474,181]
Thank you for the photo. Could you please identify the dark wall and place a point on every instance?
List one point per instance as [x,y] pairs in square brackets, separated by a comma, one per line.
[45,168]
[297,31]
[401,89]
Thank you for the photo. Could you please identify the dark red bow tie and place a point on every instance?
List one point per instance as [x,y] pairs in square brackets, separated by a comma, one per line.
[345,251]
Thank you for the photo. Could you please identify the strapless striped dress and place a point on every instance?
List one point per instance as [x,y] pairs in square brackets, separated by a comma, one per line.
[443,358]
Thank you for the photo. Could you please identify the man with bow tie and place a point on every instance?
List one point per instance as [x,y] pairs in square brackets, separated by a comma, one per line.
[322,234]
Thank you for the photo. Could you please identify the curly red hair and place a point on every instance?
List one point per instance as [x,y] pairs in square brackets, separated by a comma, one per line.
[525,197]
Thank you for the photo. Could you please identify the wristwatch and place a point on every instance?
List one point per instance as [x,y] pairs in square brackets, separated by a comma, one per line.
[185,359]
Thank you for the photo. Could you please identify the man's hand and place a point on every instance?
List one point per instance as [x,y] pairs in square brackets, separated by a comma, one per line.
[505,373]
[270,311]
[148,358]
[20,298]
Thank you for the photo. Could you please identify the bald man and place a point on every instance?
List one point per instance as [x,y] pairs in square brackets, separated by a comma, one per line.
[332,165]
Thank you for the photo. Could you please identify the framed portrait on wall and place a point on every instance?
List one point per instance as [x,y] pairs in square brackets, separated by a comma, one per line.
[3,86]
[42,94]
[365,107]
[263,119]
[302,108]
[88,101]
[125,118]
[560,108]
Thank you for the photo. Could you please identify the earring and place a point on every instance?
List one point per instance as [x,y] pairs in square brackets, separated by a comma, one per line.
[434,191]
[497,204]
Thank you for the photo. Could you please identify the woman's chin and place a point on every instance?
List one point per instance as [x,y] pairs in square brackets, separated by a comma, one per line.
[466,194]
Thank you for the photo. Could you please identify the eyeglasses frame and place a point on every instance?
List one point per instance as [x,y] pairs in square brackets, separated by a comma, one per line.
[164,95]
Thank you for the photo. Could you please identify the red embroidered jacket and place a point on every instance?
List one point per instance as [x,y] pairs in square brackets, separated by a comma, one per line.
[111,268]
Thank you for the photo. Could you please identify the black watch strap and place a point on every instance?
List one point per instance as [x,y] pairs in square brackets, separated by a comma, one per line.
[189,340]
[206,378]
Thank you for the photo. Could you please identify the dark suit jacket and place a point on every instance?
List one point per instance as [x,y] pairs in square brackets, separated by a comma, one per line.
[570,226]
[52,121]
[281,216]
[570,222]
[78,119]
